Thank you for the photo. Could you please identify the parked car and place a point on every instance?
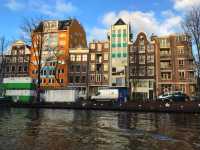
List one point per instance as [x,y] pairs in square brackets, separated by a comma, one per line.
[195,98]
[164,97]
[174,96]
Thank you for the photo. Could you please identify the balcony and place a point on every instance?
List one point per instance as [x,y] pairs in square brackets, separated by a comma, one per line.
[193,80]
[192,67]
[166,67]
[165,54]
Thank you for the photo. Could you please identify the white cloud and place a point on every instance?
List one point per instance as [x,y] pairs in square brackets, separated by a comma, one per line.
[97,34]
[14,5]
[64,7]
[186,4]
[52,8]
[142,22]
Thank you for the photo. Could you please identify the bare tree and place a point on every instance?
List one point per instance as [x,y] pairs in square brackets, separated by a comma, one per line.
[33,34]
[3,47]
[191,26]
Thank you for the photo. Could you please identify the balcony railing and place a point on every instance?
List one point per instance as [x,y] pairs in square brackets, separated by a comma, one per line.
[164,55]
[167,67]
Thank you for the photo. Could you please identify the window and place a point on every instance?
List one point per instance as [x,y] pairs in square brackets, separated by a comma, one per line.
[181,75]
[7,69]
[133,48]
[13,68]
[181,62]
[164,42]
[84,57]
[105,56]
[44,80]
[71,79]
[119,54]
[150,59]
[49,80]
[25,68]
[62,71]
[92,46]
[14,59]
[142,49]
[150,84]
[20,68]
[72,58]
[141,71]
[180,50]
[92,67]
[105,66]
[99,47]
[165,64]
[142,84]
[83,80]
[182,87]
[61,80]
[84,68]
[77,79]
[106,45]
[141,59]
[124,54]
[114,69]
[150,71]
[165,75]
[92,56]
[50,72]
[78,58]
[113,55]
[78,68]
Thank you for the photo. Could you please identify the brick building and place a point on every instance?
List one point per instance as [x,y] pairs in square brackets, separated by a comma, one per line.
[142,68]
[16,62]
[175,64]
[78,69]
[98,72]
[54,38]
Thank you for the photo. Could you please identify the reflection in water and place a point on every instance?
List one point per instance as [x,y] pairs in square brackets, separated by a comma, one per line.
[49,129]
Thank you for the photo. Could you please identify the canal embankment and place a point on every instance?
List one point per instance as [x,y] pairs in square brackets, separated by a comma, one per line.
[151,106]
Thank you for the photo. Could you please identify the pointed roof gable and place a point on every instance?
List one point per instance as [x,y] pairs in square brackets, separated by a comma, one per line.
[120,22]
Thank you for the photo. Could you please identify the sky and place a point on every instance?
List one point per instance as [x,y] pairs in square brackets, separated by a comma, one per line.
[150,16]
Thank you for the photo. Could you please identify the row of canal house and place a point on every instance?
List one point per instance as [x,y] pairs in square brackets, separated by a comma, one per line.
[147,67]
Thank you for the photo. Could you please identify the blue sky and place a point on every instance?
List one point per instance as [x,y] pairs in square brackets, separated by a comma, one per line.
[151,16]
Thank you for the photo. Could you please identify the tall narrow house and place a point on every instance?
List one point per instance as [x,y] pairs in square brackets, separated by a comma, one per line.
[120,37]
[142,68]
[16,62]
[51,41]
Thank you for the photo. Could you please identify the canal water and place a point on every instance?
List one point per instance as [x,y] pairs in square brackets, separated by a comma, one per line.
[49,129]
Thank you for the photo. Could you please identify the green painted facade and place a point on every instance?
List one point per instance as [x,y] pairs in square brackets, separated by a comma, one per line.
[18,86]
[23,99]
